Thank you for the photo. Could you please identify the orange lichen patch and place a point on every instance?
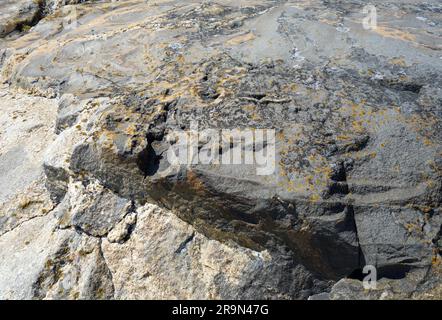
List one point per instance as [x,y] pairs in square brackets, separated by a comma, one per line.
[315,198]
[106,138]
[195,183]
[394,33]
[292,186]
[328,21]
[280,135]
[358,126]
[427,141]
[343,137]
[436,261]
[422,126]
[363,118]
[435,167]
[184,87]
[131,129]
[425,209]
[292,87]
[398,61]
[237,40]
[324,171]
[249,107]
[181,59]
[403,77]
[412,227]
[229,82]
[188,83]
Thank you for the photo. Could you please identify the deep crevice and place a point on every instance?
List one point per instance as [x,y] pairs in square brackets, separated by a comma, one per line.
[398,271]
[402,86]
[148,161]
[357,274]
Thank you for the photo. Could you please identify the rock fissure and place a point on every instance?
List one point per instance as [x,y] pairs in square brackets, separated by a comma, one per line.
[356,174]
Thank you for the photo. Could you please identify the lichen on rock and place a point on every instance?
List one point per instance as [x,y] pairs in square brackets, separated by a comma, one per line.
[90,107]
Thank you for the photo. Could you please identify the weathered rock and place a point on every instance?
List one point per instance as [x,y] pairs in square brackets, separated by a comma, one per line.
[121,231]
[39,261]
[22,15]
[25,132]
[92,208]
[419,284]
[19,14]
[162,245]
[58,155]
[357,117]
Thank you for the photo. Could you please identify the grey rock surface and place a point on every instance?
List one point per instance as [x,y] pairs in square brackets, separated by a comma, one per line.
[41,262]
[357,181]
[92,208]
[26,124]
[22,15]
[162,245]
[18,14]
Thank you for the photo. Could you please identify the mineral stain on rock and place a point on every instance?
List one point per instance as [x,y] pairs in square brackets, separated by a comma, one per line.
[358,173]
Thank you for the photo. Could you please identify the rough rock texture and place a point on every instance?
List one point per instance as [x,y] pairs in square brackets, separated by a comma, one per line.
[358,178]
[166,258]
[26,130]
[18,14]
[21,15]
[42,262]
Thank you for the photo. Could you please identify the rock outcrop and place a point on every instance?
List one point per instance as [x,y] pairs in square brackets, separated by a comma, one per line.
[95,93]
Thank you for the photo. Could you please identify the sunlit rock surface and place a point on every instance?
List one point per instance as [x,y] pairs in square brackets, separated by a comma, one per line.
[92,92]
